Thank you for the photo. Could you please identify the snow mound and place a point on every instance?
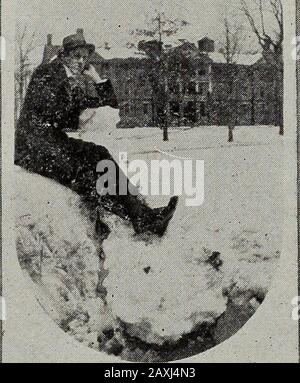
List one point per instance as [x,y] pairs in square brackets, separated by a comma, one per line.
[57,247]
[157,290]
[102,120]
[164,289]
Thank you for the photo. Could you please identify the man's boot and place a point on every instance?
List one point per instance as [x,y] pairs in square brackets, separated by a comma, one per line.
[155,221]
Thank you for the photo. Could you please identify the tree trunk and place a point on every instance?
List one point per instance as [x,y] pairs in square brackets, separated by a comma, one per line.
[230,133]
[165,131]
[281,130]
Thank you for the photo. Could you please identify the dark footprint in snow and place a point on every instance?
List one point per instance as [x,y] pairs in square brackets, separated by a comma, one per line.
[102,229]
[215,260]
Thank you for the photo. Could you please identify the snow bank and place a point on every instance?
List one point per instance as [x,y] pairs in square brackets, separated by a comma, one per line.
[164,288]
[56,246]
[168,287]
[157,292]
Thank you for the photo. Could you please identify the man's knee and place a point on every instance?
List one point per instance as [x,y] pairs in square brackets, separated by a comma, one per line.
[103,153]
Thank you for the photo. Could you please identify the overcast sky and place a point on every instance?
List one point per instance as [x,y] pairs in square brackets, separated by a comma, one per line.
[112,20]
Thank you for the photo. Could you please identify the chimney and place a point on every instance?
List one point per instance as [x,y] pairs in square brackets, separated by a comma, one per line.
[206,45]
[80,32]
[49,39]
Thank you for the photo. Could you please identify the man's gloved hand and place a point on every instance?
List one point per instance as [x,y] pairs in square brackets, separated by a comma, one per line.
[104,87]
[107,94]
[94,75]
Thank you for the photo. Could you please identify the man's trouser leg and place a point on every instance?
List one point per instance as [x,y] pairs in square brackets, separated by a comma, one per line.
[73,163]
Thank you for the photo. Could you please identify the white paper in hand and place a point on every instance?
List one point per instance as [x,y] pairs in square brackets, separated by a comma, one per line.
[102,119]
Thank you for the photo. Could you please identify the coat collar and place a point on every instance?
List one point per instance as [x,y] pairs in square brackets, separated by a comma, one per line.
[55,60]
[68,71]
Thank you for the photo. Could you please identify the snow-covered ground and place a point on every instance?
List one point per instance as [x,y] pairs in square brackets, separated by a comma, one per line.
[163,289]
[241,218]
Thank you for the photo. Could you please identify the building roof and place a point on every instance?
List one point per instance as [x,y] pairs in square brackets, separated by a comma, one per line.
[124,53]
[174,44]
[119,53]
[240,59]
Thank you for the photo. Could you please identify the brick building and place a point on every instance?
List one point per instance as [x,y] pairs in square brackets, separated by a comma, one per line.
[200,88]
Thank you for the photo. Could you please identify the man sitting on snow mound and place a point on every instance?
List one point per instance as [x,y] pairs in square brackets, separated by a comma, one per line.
[57,94]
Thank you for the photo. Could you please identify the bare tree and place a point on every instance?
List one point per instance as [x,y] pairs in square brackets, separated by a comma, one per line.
[157,28]
[25,44]
[271,44]
[152,46]
[231,45]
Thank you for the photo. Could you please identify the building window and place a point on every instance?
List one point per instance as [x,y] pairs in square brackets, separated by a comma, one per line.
[203,112]
[185,65]
[202,71]
[174,87]
[263,107]
[174,108]
[202,88]
[190,112]
[126,109]
[191,88]
[145,108]
[243,109]
[127,86]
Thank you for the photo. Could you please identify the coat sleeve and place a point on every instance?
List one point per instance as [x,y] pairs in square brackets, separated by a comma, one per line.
[107,94]
[97,95]
[50,97]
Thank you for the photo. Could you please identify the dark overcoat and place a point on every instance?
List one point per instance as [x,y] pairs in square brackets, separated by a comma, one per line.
[52,106]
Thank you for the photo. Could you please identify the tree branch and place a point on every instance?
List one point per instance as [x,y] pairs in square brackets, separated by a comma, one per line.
[264,39]
[277,9]
[246,11]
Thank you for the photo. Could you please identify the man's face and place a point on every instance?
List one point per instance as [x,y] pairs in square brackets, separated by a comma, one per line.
[77,59]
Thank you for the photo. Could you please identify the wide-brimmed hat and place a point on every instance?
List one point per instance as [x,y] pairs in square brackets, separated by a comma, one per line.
[77,41]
